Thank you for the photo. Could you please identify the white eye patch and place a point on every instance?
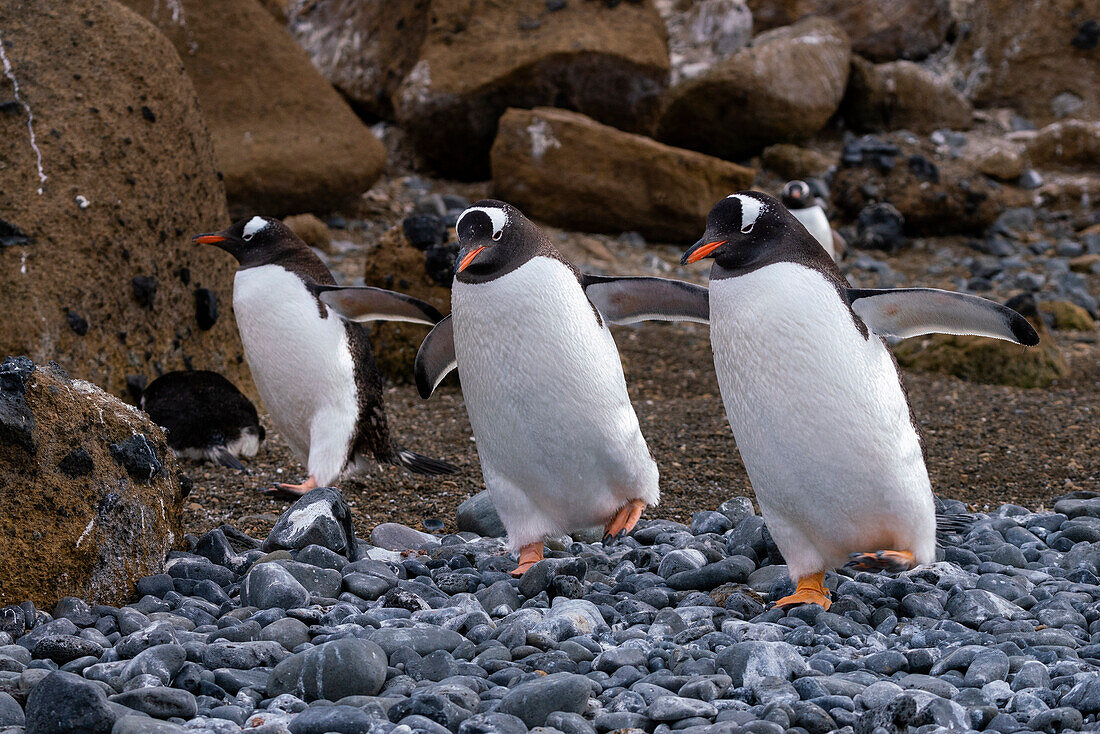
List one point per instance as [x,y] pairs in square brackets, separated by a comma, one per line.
[498,217]
[750,210]
[254,225]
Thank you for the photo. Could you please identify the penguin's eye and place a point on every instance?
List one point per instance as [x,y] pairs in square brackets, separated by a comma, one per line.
[248,237]
[497,235]
[748,228]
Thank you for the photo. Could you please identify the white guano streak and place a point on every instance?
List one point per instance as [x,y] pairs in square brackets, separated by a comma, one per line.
[30,115]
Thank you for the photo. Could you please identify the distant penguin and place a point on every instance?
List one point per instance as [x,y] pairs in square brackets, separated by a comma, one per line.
[314,371]
[205,415]
[558,439]
[807,210]
[814,397]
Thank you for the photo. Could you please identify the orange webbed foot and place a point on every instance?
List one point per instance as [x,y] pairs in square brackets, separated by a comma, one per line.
[529,555]
[624,521]
[292,491]
[810,590]
[883,560]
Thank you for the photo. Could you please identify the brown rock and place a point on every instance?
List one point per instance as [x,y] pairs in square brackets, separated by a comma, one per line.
[573,172]
[791,161]
[396,265]
[762,94]
[1024,56]
[989,361]
[1068,316]
[90,499]
[881,30]
[901,95]
[284,139]
[1000,159]
[364,49]
[935,195]
[311,230]
[99,272]
[1084,263]
[480,57]
[1072,145]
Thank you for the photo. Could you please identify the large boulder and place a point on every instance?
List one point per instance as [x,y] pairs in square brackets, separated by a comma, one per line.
[935,195]
[363,47]
[106,170]
[763,94]
[90,499]
[901,95]
[881,30]
[480,57]
[1071,144]
[1036,60]
[285,140]
[571,171]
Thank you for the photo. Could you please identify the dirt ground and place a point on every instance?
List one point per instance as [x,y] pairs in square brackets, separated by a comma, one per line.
[985,444]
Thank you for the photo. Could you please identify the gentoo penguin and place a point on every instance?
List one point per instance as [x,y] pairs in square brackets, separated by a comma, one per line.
[558,439]
[814,397]
[314,371]
[806,209]
[205,415]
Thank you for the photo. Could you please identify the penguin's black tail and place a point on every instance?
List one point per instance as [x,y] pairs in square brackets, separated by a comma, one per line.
[422,464]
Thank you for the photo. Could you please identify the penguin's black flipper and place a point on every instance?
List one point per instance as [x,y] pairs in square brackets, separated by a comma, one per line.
[435,358]
[906,312]
[223,456]
[423,464]
[951,528]
[365,303]
[633,299]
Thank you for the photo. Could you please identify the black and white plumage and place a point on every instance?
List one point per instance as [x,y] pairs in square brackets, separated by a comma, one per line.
[314,371]
[558,439]
[814,396]
[205,416]
[806,208]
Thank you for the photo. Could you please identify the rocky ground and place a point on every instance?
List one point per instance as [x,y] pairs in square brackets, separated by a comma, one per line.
[665,630]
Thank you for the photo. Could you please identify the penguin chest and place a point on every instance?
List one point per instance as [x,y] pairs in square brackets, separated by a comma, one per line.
[545,393]
[817,224]
[300,361]
[818,412]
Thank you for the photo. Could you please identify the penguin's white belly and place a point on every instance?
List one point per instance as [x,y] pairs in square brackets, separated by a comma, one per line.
[817,224]
[301,365]
[820,419]
[558,439]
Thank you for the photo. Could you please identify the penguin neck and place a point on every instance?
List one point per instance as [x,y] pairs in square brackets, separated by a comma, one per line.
[297,259]
[534,244]
[796,247]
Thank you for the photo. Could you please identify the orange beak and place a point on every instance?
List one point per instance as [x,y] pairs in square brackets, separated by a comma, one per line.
[698,253]
[465,262]
[210,239]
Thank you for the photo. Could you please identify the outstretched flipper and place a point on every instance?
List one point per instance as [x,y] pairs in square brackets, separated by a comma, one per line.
[420,464]
[365,303]
[906,312]
[631,299]
[435,358]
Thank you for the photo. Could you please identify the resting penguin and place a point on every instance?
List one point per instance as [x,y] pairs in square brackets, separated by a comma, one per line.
[205,415]
[558,439]
[314,371]
[814,397]
[806,209]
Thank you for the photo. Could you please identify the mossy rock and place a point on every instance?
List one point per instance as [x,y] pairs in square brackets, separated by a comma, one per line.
[990,361]
[1068,316]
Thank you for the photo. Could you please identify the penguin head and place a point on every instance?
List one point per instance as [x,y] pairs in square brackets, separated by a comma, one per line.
[797,195]
[253,240]
[739,230]
[493,238]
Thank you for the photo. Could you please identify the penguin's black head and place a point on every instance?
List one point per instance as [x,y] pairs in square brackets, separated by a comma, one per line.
[797,195]
[740,228]
[493,239]
[253,240]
